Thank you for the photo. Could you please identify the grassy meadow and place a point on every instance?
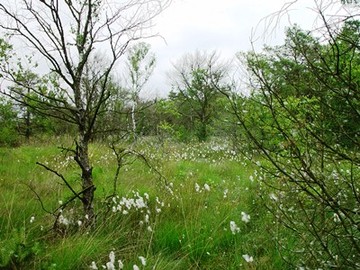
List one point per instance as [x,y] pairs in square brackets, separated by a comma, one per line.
[190,206]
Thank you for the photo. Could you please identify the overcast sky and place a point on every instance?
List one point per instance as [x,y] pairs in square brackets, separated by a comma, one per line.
[222,25]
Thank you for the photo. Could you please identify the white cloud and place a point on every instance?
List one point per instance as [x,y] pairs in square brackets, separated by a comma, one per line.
[226,26]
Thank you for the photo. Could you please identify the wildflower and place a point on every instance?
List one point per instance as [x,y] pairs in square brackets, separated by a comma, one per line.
[206,187]
[234,228]
[32,219]
[273,197]
[245,217]
[79,222]
[121,265]
[197,187]
[135,267]
[149,229]
[93,266]
[139,203]
[225,193]
[143,260]
[112,256]
[248,258]
[60,202]
[110,266]
[63,220]
[336,217]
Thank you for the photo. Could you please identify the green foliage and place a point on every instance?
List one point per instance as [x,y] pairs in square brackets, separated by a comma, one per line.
[183,225]
[300,119]
[197,83]
[8,124]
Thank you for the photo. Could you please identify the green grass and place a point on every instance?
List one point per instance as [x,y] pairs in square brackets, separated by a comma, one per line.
[182,226]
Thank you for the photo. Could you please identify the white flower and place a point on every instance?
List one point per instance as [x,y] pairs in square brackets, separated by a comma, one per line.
[225,193]
[60,202]
[32,219]
[336,217]
[206,187]
[147,218]
[121,265]
[197,187]
[79,223]
[112,256]
[110,266]
[248,258]
[273,197]
[93,266]
[233,227]
[245,217]
[135,267]
[143,260]
[63,220]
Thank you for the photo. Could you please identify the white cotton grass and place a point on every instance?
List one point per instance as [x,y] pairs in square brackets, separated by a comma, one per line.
[234,228]
[63,220]
[199,189]
[142,260]
[206,187]
[110,265]
[248,258]
[245,217]
[273,197]
[93,266]
[121,264]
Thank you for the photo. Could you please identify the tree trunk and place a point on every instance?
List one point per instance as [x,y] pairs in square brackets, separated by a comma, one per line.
[82,159]
[88,187]
[133,120]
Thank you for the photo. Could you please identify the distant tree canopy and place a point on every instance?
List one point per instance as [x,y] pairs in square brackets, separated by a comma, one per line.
[196,81]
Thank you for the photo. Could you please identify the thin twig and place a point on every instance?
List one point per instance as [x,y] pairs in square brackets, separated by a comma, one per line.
[62,178]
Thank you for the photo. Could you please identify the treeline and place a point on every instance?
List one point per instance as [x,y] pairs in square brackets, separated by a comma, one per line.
[316,83]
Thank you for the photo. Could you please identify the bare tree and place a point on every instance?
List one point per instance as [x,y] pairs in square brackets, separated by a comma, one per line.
[69,36]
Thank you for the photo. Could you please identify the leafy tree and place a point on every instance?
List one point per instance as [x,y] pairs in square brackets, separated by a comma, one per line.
[140,65]
[69,36]
[304,94]
[196,81]
[8,123]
